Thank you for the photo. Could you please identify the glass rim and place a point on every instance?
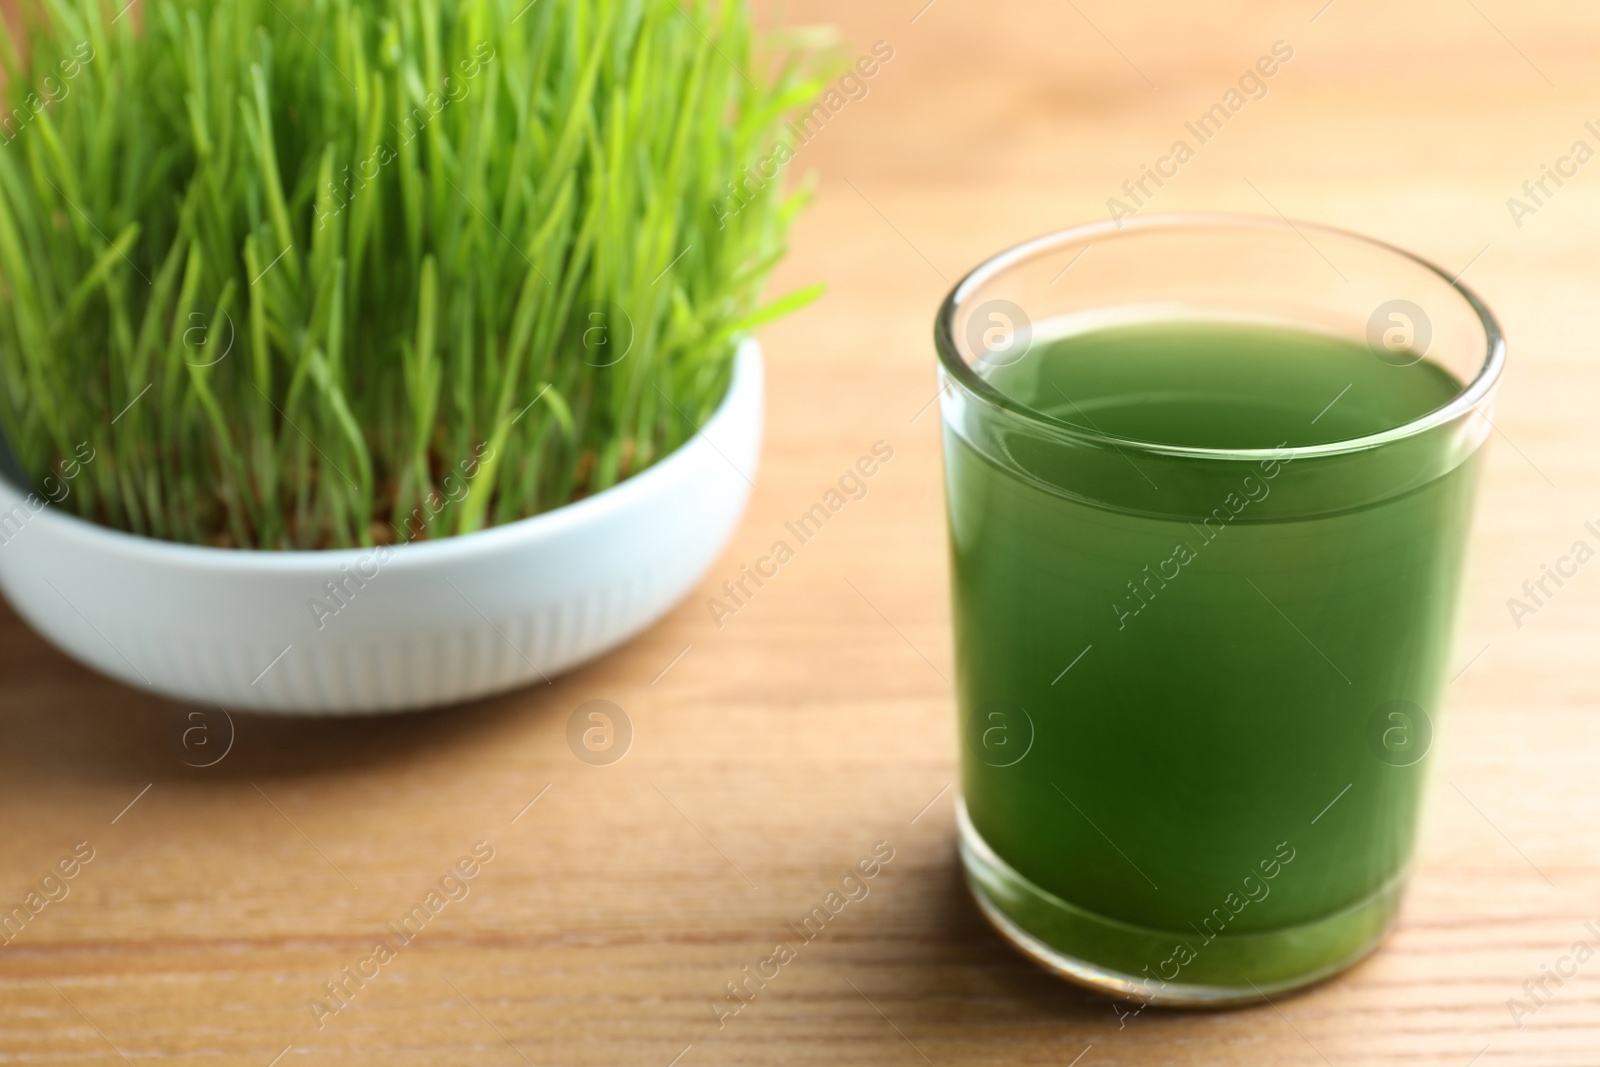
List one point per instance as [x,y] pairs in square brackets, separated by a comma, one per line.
[950,357]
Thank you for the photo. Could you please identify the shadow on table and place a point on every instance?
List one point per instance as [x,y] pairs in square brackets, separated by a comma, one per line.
[1011,978]
[63,721]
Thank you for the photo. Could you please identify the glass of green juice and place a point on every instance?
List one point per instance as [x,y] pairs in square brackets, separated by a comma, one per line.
[1209,481]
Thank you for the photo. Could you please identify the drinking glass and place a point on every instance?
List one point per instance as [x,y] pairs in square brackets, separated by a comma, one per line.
[1193,777]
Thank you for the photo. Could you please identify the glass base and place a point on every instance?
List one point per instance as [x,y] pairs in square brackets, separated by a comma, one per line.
[1164,967]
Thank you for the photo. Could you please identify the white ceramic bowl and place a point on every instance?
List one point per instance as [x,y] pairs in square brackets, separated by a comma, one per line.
[422,624]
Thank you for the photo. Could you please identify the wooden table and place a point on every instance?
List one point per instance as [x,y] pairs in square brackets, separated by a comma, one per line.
[771,753]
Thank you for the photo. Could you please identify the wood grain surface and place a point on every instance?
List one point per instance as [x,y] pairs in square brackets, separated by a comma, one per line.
[774,751]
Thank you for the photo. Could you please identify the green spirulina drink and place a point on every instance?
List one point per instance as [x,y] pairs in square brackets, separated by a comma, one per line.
[1201,637]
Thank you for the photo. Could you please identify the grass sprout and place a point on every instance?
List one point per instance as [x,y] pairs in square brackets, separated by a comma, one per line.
[306,274]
